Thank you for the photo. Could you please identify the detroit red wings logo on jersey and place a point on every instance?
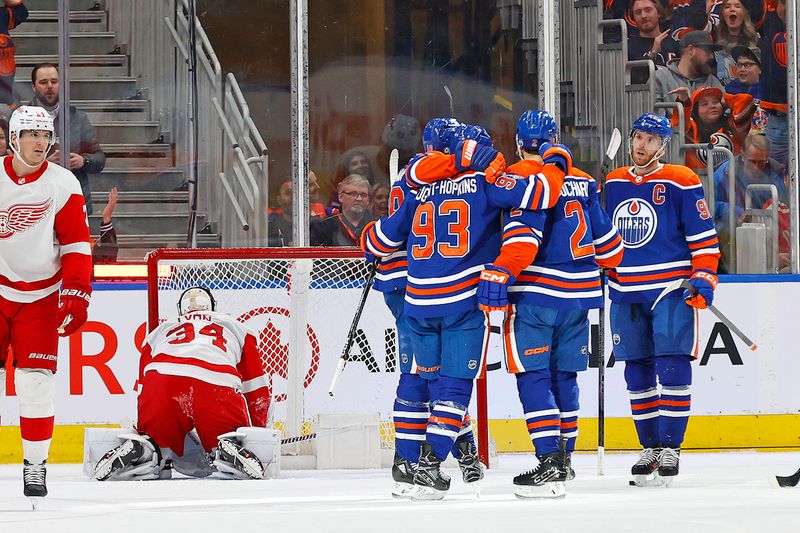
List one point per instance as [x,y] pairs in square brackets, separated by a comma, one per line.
[22,217]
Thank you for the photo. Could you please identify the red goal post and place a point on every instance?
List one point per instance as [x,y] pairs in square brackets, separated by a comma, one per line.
[299,302]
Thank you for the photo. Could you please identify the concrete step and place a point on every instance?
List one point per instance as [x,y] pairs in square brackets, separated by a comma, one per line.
[80,43]
[127,132]
[138,179]
[146,223]
[113,88]
[114,110]
[144,202]
[47,21]
[74,5]
[83,66]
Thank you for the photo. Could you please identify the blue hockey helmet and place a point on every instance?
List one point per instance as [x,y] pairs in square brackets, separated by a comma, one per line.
[535,127]
[653,124]
[437,134]
[470,132]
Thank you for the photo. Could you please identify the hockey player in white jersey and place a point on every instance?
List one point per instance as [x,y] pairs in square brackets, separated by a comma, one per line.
[201,372]
[45,278]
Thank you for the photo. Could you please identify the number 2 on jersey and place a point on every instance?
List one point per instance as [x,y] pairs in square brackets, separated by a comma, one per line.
[457,242]
[184,333]
[573,208]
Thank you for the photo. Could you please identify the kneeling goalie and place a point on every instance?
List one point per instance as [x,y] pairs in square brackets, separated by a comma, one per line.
[201,372]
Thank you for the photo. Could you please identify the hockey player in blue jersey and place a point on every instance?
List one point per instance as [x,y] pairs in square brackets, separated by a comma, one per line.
[411,405]
[547,326]
[451,229]
[669,235]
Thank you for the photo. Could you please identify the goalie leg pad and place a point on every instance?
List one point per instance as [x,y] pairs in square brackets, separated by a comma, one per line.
[137,457]
[234,459]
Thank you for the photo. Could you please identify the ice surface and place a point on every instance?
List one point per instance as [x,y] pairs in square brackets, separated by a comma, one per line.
[716,492]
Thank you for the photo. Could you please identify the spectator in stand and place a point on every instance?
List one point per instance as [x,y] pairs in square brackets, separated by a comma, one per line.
[692,71]
[344,228]
[753,166]
[4,149]
[774,81]
[354,161]
[748,72]
[279,222]
[651,41]
[711,116]
[380,200]
[105,248]
[735,28]
[85,155]
[12,15]
[704,15]
[402,132]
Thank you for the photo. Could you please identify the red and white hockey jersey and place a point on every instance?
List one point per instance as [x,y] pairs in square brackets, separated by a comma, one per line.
[214,348]
[44,233]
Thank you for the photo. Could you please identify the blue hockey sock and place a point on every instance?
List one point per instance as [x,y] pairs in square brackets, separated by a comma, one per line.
[465,434]
[449,400]
[675,374]
[640,375]
[565,389]
[410,415]
[541,412]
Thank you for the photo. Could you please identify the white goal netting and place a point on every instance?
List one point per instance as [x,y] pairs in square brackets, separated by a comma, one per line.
[300,304]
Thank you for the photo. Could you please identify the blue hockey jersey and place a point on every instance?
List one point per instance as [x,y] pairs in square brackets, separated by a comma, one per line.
[572,238]
[452,228]
[392,270]
[667,229]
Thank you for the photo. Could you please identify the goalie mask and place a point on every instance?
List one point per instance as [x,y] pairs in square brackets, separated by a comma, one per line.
[196,299]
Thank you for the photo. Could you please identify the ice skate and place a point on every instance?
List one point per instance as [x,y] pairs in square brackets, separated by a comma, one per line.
[236,460]
[471,466]
[645,471]
[544,481]
[35,483]
[121,459]
[403,476]
[430,483]
[567,458]
[668,463]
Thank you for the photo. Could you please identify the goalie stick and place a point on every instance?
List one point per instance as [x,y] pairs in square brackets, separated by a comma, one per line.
[323,433]
[788,481]
[608,162]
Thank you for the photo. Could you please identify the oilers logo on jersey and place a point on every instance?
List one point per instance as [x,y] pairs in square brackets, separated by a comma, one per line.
[636,221]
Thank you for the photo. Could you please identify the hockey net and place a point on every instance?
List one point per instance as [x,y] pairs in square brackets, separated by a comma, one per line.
[300,303]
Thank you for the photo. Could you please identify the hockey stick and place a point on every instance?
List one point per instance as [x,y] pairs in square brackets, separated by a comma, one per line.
[684,284]
[788,481]
[372,270]
[608,162]
[450,98]
[323,433]
[394,166]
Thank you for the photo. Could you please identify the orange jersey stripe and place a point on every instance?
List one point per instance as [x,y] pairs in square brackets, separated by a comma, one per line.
[442,290]
[562,284]
[609,246]
[704,244]
[649,277]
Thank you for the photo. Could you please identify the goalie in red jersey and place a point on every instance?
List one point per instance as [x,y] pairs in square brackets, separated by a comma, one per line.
[201,372]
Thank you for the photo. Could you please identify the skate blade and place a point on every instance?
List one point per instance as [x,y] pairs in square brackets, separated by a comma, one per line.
[652,480]
[553,490]
[35,500]
[403,491]
[422,494]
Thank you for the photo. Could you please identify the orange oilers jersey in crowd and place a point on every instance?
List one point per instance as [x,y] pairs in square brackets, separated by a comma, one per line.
[214,348]
[667,229]
[568,241]
[44,233]
[451,228]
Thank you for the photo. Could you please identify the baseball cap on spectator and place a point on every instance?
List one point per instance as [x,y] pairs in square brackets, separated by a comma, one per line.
[699,39]
[716,92]
[753,53]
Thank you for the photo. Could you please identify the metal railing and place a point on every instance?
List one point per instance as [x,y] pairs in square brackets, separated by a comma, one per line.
[770,214]
[232,170]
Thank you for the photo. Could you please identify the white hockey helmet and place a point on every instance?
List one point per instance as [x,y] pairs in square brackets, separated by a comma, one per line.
[29,118]
[196,299]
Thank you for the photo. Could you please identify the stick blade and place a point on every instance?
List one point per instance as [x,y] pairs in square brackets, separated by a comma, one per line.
[788,481]
[614,144]
[394,165]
